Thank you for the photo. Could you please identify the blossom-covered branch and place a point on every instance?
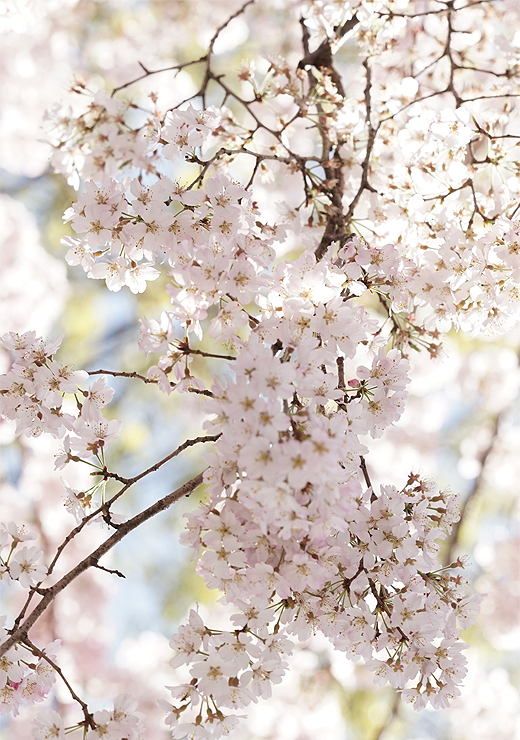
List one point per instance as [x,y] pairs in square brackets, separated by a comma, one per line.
[314,222]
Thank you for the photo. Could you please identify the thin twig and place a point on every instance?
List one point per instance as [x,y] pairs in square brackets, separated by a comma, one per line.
[170,456]
[150,72]
[121,374]
[110,570]
[363,466]
[89,721]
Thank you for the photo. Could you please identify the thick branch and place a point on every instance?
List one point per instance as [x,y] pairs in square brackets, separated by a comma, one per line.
[128,482]
[20,634]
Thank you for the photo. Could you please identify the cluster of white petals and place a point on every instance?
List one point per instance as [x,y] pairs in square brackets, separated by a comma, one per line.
[19,563]
[24,677]
[32,394]
[207,237]
[298,543]
[122,723]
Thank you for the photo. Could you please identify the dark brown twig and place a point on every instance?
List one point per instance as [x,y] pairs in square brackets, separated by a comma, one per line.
[89,721]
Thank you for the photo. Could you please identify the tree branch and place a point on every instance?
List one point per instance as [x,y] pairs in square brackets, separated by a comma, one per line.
[20,634]
[89,722]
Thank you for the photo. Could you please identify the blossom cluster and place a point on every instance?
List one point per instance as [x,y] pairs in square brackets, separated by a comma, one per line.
[94,143]
[32,394]
[19,564]
[472,285]
[207,236]
[24,677]
[469,284]
[122,723]
[228,669]
[298,542]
